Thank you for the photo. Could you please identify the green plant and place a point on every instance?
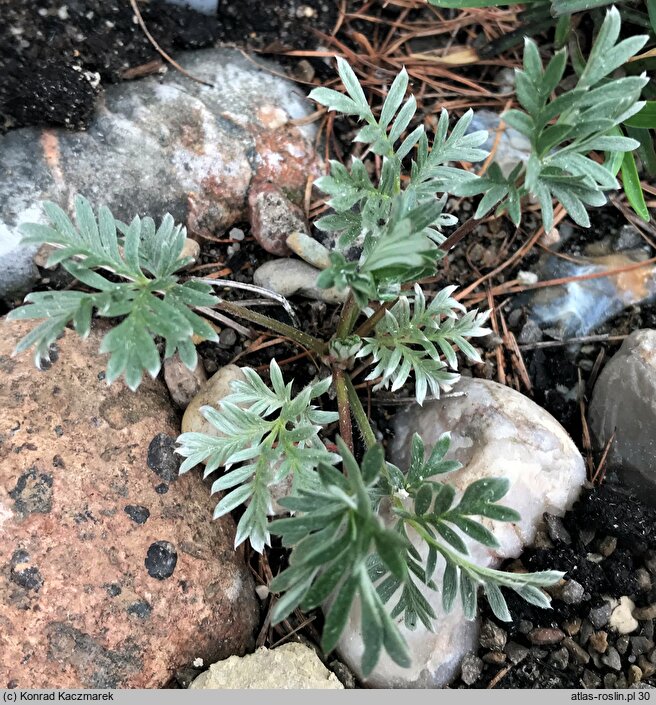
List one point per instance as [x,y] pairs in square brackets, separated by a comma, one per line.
[144,290]
[341,547]
[599,111]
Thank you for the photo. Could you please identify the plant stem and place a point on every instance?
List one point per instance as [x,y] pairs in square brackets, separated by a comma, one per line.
[371,322]
[347,318]
[359,413]
[298,336]
[343,407]
[458,234]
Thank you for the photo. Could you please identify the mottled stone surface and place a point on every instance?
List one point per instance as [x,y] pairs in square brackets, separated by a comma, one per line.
[495,432]
[290,666]
[112,572]
[624,402]
[165,144]
[292,276]
[273,218]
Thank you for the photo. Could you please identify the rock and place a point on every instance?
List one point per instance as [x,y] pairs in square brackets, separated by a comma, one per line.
[645,613]
[101,541]
[607,546]
[512,146]
[621,618]
[624,403]
[309,250]
[612,659]
[183,383]
[273,218]
[590,679]
[190,248]
[581,306]
[516,652]
[556,529]
[543,636]
[635,675]
[492,636]
[496,432]
[560,658]
[202,148]
[210,394]
[290,666]
[471,669]
[572,593]
[16,260]
[291,276]
[578,652]
[641,645]
[599,616]
[599,642]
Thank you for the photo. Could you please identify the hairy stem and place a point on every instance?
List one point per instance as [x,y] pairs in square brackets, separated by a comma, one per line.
[298,336]
[359,413]
[343,407]
[347,318]
[371,322]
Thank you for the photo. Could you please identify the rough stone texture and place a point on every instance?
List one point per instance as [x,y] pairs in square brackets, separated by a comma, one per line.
[273,218]
[112,572]
[291,276]
[183,384]
[290,666]
[624,402]
[163,144]
[210,394]
[496,432]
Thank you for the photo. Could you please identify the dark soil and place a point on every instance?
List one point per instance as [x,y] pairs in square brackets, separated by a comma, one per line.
[55,56]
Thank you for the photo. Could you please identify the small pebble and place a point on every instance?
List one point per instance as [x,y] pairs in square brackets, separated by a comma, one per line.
[591,680]
[599,642]
[572,592]
[572,626]
[599,616]
[586,631]
[542,540]
[635,675]
[610,681]
[612,659]
[492,636]
[556,529]
[516,652]
[622,644]
[586,536]
[495,658]
[577,651]
[645,613]
[236,234]
[471,669]
[622,618]
[647,667]
[545,636]
[227,338]
[262,592]
[607,546]
[525,626]
[560,658]
[644,580]
[641,645]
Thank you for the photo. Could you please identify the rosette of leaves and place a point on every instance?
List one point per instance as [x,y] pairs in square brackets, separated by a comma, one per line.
[564,130]
[141,288]
[413,337]
[342,552]
[269,434]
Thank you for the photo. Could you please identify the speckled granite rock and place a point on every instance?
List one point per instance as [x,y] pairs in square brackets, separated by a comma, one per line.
[624,402]
[165,144]
[112,572]
[290,666]
[495,432]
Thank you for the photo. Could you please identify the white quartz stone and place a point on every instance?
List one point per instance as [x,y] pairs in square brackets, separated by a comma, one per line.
[495,432]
